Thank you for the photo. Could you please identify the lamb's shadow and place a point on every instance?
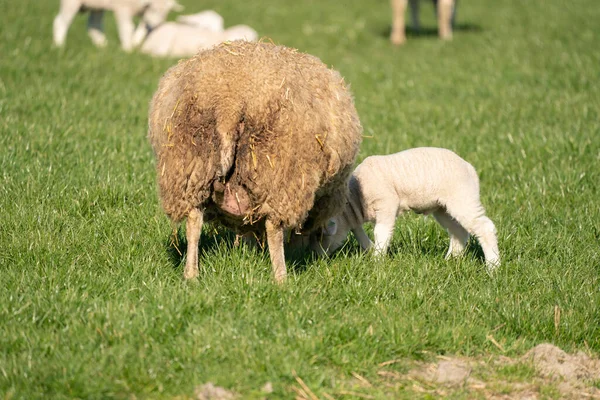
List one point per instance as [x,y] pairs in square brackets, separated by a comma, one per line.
[473,250]
[428,31]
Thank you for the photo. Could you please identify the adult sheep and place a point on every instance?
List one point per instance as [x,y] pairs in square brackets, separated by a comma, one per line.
[152,12]
[256,136]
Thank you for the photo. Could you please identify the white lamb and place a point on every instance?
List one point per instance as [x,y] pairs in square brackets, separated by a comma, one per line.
[152,12]
[424,180]
[174,39]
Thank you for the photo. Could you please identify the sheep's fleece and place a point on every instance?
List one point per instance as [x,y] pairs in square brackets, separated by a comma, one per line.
[255,136]
[424,180]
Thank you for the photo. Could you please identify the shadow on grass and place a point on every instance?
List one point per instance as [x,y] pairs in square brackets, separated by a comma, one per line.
[429,31]
[473,250]
[176,243]
[297,260]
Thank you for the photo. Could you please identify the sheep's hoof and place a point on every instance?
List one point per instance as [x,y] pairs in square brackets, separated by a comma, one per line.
[397,40]
[446,35]
[190,273]
[280,278]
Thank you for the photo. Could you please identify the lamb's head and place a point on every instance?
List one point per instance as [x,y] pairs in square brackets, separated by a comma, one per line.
[158,10]
[331,237]
[155,13]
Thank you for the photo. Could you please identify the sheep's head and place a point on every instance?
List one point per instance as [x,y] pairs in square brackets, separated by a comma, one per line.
[331,237]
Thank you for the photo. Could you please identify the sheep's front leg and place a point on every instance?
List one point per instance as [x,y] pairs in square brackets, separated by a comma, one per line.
[275,242]
[193,229]
[444,14]
[125,26]
[95,29]
[398,35]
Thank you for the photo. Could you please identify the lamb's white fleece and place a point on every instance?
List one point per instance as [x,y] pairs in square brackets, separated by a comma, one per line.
[152,12]
[424,180]
[173,39]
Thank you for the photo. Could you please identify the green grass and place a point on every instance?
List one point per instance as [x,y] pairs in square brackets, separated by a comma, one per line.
[92,303]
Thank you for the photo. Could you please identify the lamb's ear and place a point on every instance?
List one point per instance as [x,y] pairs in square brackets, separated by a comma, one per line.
[175,6]
[331,228]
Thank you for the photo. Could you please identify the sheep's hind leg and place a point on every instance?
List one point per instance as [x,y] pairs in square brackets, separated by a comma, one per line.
[275,242]
[458,235]
[398,35]
[193,229]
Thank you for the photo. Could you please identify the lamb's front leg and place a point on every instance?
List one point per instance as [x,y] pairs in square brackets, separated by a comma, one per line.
[125,26]
[193,228]
[384,229]
[140,34]
[275,242]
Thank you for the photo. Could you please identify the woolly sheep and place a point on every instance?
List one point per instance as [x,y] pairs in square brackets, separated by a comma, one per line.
[424,180]
[153,13]
[258,137]
[173,39]
[445,9]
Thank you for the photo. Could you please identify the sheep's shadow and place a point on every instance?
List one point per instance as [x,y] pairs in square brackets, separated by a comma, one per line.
[176,243]
[297,260]
[429,31]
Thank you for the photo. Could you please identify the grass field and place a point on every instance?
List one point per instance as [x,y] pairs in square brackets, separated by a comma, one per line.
[92,303]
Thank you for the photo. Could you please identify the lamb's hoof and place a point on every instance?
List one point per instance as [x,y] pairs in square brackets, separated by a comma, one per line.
[492,265]
[101,43]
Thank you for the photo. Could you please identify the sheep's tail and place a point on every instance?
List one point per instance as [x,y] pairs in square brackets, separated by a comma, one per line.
[229,128]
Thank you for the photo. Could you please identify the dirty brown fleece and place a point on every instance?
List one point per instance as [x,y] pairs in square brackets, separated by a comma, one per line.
[248,134]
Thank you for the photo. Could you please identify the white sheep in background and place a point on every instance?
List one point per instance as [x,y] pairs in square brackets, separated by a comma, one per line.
[192,33]
[445,10]
[424,180]
[209,20]
[152,12]
[172,39]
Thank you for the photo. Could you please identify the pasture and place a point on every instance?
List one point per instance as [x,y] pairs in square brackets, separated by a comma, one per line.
[92,302]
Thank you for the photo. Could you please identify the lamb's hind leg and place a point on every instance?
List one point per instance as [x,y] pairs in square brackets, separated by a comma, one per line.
[275,242]
[471,216]
[95,29]
[458,235]
[68,10]
[193,229]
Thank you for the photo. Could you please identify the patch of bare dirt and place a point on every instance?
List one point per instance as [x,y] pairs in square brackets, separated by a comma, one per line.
[208,391]
[569,376]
